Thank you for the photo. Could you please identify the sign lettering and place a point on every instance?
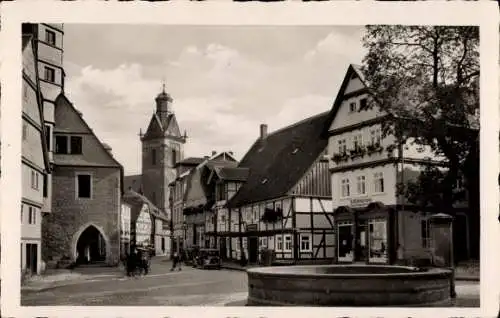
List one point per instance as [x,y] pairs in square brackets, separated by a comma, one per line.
[360,202]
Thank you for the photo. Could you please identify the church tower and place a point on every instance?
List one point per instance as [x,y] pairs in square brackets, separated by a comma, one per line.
[162,148]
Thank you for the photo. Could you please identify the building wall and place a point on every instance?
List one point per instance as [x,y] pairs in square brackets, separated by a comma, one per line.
[316,182]
[71,215]
[389,173]
[33,168]
[50,56]
[143,227]
[194,220]
[162,232]
[345,118]
[315,222]
[157,176]
[366,135]
[125,228]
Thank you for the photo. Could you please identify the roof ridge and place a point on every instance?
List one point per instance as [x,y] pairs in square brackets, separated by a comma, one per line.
[303,121]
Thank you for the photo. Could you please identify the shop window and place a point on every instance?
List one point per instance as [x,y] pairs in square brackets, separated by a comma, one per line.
[378,241]
[305,242]
[344,242]
[361,184]
[279,243]
[345,188]
[288,242]
[378,180]
[84,186]
[425,233]
[342,146]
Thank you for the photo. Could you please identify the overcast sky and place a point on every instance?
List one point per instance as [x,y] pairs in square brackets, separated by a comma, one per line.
[225,81]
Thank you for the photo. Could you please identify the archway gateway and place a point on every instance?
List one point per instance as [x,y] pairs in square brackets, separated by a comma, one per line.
[91,246]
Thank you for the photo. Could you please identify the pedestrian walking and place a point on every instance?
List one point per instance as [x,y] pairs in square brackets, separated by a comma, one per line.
[176,261]
[131,263]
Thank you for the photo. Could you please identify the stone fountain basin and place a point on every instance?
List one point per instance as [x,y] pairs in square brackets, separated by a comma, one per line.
[348,285]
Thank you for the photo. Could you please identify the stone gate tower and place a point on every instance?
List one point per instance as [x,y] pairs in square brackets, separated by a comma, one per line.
[162,148]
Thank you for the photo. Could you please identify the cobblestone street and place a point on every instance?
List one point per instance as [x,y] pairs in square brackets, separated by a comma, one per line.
[160,288]
[189,287]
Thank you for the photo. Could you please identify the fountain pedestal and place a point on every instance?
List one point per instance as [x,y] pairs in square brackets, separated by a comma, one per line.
[347,285]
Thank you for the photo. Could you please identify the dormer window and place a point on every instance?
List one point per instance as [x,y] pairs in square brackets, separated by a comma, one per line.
[352,107]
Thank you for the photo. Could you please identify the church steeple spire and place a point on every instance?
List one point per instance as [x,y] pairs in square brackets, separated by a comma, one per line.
[163,102]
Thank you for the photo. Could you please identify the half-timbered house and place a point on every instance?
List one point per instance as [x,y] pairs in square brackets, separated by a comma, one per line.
[373,222]
[147,223]
[177,193]
[200,197]
[228,181]
[285,203]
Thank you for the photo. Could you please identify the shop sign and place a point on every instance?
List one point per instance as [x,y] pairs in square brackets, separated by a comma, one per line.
[356,203]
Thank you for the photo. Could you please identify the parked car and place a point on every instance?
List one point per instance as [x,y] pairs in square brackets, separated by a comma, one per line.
[208,258]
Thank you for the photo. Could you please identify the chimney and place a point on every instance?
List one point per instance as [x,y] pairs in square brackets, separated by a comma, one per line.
[214,153]
[263,131]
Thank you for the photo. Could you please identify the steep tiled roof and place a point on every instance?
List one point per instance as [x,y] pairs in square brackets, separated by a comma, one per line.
[191,161]
[198,191]
[232,174]
[138,200]
[277,162]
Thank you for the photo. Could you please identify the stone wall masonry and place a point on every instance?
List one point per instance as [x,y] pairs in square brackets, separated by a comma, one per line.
[71,215]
